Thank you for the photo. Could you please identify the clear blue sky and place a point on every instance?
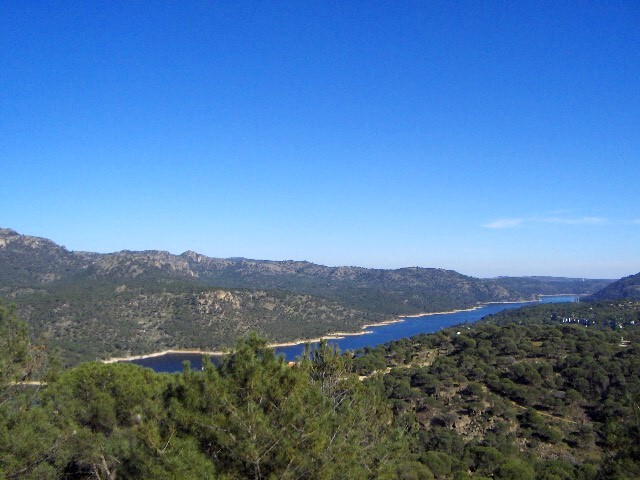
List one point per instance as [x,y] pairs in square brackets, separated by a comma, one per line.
[490,138]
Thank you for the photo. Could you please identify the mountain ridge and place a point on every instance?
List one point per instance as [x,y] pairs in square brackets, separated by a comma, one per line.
[197,265]
[129,297]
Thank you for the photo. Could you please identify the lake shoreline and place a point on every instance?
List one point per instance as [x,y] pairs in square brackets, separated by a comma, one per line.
[292,343]
[302,341]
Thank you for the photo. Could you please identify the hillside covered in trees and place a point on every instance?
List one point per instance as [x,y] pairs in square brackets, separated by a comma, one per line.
[99,305]
[101,320]
[627,287]
[546,392]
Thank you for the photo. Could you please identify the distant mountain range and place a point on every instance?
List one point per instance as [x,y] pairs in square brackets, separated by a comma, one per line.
[94,304]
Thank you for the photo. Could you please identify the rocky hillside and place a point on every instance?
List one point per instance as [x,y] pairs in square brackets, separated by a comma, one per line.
[27,262]
[101,319]
[625,288]
[32,262]
[102,304]
[405,290]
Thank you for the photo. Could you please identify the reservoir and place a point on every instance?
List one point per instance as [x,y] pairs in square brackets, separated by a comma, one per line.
[410,326]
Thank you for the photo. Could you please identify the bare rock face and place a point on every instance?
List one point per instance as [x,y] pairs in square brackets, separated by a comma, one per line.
[135,264]
[7,236]
[10,239]
[218,301]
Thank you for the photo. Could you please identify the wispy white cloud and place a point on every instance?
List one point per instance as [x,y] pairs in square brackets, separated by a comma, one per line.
[504,223]
[575,221]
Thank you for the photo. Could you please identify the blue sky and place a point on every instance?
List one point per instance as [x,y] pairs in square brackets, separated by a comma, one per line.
[493,138]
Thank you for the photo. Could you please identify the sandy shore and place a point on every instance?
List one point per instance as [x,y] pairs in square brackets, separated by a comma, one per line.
[297,341]
[300,341]
[450,311]
[564,295]
[338,335]
[164,352]
[292,343]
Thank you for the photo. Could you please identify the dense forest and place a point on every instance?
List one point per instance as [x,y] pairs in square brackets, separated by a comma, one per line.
[545,392]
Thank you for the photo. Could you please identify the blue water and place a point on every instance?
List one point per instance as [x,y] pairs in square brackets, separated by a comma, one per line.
[172,362]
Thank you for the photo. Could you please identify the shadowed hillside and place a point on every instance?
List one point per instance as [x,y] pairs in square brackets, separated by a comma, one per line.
[625,288]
